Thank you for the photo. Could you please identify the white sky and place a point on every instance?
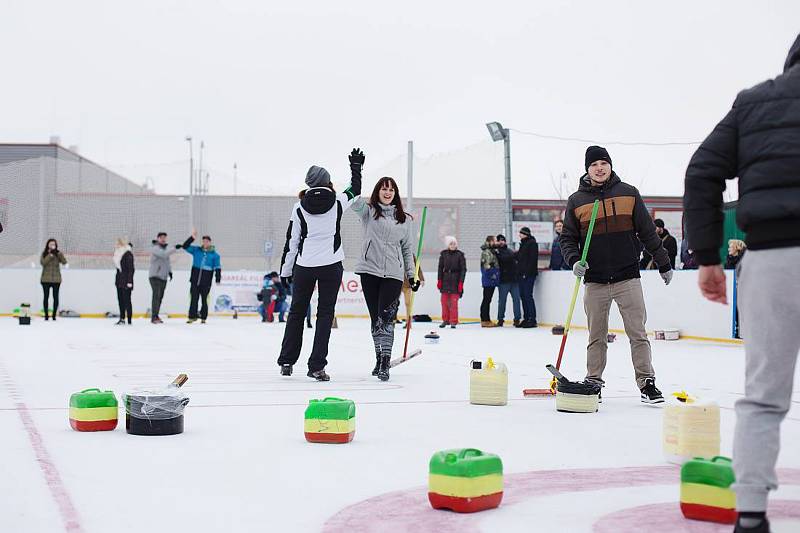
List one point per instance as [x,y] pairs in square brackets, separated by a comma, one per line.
[277,87]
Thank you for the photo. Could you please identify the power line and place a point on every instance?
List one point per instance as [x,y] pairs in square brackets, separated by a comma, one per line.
[592,141]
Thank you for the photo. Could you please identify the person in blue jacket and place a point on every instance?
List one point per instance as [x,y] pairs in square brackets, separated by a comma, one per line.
[205,267]
[556,257]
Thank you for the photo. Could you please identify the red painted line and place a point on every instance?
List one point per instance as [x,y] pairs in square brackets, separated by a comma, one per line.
[409,510]
[69,514]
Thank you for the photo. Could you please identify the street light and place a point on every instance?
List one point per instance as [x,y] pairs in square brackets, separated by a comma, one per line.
[499,133]
[191,183]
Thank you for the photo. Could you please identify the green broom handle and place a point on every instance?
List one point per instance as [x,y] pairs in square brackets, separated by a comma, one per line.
[419,244]
[584,254]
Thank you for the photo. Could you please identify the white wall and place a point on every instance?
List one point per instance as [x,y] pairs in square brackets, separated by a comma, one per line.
[678,305]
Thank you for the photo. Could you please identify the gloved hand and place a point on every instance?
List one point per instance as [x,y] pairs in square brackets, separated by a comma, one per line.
[54,251]
[414,284]
[460,295]
[178,246]
[357,157]
[580,269]
[439,284]
[170,276]
[460,288]
[667,276]
[218,276]
[286,282]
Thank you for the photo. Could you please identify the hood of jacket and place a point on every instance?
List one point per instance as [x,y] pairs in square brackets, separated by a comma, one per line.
[485,246]
[318,200]
[794,55]
[585,184]
[210,249]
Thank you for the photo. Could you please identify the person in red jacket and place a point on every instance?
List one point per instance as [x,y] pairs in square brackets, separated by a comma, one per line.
[452,271]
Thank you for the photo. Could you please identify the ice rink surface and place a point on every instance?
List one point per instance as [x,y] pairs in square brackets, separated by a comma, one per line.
[243,465]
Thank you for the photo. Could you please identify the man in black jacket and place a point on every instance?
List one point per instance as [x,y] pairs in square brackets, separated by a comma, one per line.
[509,282]
[758,141]
[612,269]
[528,269]
[670,245]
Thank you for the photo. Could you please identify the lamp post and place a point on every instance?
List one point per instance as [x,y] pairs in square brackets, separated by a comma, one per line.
[191,183]
[499,133]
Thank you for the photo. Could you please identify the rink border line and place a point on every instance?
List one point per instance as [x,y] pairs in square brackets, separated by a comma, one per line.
[58,491]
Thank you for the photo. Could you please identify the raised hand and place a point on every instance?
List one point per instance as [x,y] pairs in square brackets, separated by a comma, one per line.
[357,157]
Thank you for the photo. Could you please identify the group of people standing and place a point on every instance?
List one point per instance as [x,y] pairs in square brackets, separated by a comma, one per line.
[511,272]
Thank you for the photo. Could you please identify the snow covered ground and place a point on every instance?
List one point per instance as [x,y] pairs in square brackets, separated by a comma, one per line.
[243,465]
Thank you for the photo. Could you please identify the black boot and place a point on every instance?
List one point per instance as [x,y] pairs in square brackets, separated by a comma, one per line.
[286,370]
[377,365]
[383,370]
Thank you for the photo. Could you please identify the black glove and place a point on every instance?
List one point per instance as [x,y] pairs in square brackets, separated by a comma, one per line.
[286,282]
[218,276]
[414,284]
[170,276]
[54,251]
[178,246]
[357,157]
[460,295]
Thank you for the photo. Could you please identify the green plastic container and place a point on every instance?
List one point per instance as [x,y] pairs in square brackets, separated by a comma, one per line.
[90,398]
[717,472]
[93,410]
[465,462]
[331,409]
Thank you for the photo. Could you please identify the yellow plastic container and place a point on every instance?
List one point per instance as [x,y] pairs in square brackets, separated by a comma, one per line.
[488,383]
[691,429]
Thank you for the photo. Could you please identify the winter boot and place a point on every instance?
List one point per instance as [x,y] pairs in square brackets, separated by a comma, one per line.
[443,325]
[650,394]
[191,321]
[120,322]
[452,326]
[383,371]
[488,324]
[500,323]
[286,370]
[319,375]
[518,323]
[752,523]
[308,324]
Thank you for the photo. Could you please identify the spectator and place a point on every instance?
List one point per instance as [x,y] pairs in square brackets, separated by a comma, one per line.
[687,256]
[490,278]
[611,272]
[527,269]
[206,267]
[280,295]
[669,243]
[452,272]
[556,257]
[736,250]
[160,272]
[758,141]
[265,297]
[51,261]
[509,283]
[123,260]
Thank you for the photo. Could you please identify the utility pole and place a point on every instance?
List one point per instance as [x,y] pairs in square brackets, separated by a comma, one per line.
[410,167]
[200,169]
[234,180]
[191,183]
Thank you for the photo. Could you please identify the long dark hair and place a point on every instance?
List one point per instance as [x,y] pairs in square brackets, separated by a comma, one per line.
[375,201]
[47,246]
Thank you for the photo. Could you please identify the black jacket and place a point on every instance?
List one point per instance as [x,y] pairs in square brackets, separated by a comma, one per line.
[508,265]
[528,258]
[670,245]
[622,223]
[124,274]
[758,141]
[556,257]
[452,271]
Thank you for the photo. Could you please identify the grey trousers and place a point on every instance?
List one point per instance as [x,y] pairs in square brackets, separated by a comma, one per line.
[769,311]
[597,300]
[159,286]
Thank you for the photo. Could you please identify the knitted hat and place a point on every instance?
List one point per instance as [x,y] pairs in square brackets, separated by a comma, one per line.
[317,177]
[596,153]
[659,223]
[525,231]
[500,237]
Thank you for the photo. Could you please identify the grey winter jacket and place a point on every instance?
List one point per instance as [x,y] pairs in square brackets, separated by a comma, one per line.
[386,249]
[159,262]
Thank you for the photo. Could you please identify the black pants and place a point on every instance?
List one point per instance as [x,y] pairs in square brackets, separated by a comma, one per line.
[383,300]
[328,280]
[199,294]
[159,286]
[488,292]
[125,305]
[46,289]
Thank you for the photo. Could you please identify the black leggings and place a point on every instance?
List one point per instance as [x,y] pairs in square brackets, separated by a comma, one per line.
[383,300]
[46,288]
[125,305]
[488,292]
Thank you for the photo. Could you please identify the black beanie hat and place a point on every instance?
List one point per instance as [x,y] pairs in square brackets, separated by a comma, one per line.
[500,237]
[659,223]
[596,153]
[525,231]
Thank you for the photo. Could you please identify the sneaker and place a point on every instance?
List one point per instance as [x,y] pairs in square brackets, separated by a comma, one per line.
[120,322]
[191,321]
[650,394]
[443,325]
[529,324]
[452,326]
[309,326]
[286,370]
[383,368]
[488,324]
[500,323]
[156,320]
[519,323]
[203,321]
[763,527]
[319,375]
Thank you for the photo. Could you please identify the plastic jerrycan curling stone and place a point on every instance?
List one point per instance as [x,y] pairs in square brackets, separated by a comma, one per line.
[465,480]
[488,385]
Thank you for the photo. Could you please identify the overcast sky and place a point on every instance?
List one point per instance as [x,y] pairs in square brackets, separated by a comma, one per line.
[276,87]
